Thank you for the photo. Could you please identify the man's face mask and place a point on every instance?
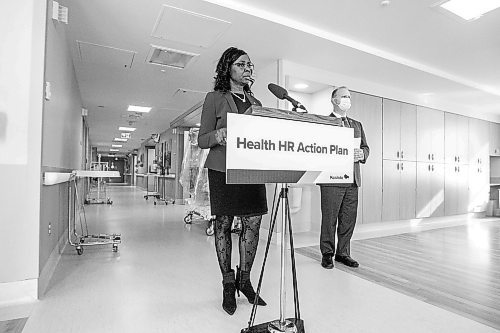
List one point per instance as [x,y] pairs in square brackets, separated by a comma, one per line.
[345,104]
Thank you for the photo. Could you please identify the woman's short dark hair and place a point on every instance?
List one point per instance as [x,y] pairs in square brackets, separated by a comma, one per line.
[223,70]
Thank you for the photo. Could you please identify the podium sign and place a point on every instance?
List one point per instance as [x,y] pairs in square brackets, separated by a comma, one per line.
[272,150]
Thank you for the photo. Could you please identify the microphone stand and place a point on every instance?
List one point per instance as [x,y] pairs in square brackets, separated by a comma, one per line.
[282,325]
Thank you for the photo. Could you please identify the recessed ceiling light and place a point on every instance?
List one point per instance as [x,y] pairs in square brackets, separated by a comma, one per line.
[135,108]
[301,86]
[116,146]
[470,10]
[120,140]
[111,149]
[129,129]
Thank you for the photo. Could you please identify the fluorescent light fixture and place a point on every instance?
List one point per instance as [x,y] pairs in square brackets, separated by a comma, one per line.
[116,146]
[129,129]
[470,10]
[301,86]
[114,149]
[120,139]
[135,108]
[198,124]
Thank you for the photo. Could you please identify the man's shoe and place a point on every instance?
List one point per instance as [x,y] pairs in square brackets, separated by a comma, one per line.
[346,260]
[327,262]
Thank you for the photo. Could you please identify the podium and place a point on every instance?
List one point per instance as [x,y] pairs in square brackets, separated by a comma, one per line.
[267,145]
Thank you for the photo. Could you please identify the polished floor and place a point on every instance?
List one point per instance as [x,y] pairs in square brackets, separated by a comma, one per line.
[455,268]
[165,278]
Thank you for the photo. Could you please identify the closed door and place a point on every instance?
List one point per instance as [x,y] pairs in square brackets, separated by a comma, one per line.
[430,135]
[451,190]
[391,129]
[408,132]
[391,190]
[408,183]
[423,197]
[437,190]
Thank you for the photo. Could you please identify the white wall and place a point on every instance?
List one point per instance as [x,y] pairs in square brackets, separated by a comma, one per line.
[21,93]
[62,146]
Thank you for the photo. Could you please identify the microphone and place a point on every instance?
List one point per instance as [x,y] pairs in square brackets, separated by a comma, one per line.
[281,93]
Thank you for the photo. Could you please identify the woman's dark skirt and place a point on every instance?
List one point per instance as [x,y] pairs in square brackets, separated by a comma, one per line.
[235,199]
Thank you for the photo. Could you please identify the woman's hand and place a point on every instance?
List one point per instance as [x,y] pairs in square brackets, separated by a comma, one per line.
[220,136]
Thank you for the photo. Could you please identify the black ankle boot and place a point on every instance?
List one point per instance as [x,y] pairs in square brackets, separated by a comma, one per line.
[228,294]
[244,285]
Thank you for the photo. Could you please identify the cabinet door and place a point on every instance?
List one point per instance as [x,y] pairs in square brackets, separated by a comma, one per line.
[408,132]
[451,189]
[408,183]
[478,188]
[391,129]
[463,139]
[450,139]
[424,134]
[437,143]
[390,191]
[423,201]
[494,130]
[478,141]
[368,110]
[437,189]
[463,188]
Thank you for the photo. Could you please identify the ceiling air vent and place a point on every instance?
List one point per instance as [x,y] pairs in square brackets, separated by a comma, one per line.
[169,57]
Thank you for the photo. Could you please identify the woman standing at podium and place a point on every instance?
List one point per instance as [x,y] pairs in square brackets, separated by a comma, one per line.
[248,201]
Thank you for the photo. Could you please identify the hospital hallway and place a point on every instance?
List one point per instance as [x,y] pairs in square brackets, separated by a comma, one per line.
[165,278]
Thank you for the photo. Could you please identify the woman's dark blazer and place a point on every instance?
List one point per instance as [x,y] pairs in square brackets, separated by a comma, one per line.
[214,116]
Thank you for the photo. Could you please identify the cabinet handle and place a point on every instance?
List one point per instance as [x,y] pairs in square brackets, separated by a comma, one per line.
[433,157]
[402,154]
[401,166]
[397,166]
[397,154]
[429,157]
[455,169]
[429,166]
[433,168]
[456,159]
[458,169]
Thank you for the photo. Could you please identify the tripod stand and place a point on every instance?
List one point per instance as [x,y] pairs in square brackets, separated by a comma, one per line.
[283,324]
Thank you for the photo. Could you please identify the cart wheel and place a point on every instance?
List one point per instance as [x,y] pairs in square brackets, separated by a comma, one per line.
[146,197]
[188,218]
[82,240]
[110,202]
[155,203]
[79,250]
[86,201]
[115,248]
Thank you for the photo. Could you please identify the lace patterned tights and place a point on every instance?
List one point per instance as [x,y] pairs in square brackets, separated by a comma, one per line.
[249,239]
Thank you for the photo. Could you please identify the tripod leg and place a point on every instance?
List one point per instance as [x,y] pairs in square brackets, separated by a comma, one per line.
[294,272]
[274,214]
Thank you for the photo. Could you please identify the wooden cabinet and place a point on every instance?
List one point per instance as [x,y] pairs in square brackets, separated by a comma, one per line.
[479,170]
[494,133]
[456,139]
[430,135]
[399,190]
[368,110]
[399,130]
[456,188]
[430,189]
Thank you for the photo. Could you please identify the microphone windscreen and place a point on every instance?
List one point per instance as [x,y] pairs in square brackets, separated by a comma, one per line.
[277,90]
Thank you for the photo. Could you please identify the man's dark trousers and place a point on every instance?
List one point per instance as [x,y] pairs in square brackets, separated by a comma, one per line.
[338,203]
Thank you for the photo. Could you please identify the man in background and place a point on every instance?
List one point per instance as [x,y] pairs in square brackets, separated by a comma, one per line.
[339,202]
